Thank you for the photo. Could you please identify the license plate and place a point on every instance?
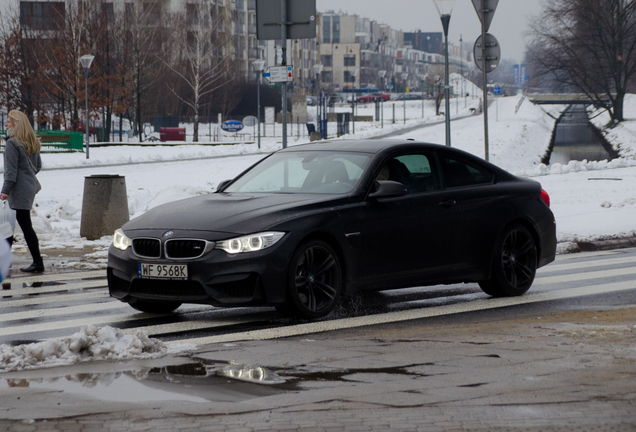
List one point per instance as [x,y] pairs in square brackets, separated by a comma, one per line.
[163,271]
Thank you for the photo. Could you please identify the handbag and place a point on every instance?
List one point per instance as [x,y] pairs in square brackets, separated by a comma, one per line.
[38,186]
[7,220]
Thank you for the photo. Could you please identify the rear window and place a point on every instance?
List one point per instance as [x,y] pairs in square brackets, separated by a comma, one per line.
[460,172]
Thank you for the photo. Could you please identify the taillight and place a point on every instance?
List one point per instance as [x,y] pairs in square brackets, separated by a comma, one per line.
[545,197]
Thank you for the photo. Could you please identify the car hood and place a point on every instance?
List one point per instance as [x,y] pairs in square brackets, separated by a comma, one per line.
[232,213]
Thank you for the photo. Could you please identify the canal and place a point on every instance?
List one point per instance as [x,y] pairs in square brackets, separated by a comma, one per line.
[576,140]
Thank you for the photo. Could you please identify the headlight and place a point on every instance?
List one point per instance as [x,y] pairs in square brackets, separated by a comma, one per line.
[250,243]
[121,241]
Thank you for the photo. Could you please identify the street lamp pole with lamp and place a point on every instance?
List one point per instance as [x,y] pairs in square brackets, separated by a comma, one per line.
[86,61]
[258,67]
[445,7]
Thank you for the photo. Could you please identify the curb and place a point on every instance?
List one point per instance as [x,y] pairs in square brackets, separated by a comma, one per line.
[602,245]
[595,246]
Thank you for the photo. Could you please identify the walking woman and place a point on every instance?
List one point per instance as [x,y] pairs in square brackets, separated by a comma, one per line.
[21,163]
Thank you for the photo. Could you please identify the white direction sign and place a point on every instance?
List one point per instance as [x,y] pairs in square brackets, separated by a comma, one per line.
[276,74]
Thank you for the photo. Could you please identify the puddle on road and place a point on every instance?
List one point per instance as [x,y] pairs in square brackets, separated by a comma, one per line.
[192,382]
[199,382]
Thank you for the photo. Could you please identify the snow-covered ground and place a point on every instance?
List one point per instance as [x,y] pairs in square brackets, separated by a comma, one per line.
[585,209]
[591,200]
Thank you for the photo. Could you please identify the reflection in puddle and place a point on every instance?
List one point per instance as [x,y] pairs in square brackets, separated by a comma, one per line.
[192,382]
[250,374]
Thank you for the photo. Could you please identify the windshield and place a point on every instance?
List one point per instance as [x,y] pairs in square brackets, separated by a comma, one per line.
[303,172]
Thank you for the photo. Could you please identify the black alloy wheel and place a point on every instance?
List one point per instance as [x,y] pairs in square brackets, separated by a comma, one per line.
[314,282]
[515,264]
[157,307]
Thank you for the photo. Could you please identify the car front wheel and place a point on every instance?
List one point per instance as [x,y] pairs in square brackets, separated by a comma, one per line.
[514,263]
[314,281]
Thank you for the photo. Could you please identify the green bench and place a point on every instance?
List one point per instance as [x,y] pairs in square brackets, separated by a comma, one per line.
[54,141]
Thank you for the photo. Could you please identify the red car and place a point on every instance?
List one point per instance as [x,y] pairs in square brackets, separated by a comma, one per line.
[371,97]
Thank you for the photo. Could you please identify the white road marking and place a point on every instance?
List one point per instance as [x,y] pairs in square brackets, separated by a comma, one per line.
[48,277]
[31,291]
[573,277]
[52,299]
[408,315]
[554,267]
[190,325]
[30,296]
[60,311]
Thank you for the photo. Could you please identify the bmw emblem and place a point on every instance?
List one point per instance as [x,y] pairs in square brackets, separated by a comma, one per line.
[168,234]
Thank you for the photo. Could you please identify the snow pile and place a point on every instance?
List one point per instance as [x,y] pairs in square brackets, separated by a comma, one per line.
[576,166]
[89,344]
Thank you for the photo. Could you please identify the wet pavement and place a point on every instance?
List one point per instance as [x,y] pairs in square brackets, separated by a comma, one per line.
[569,366]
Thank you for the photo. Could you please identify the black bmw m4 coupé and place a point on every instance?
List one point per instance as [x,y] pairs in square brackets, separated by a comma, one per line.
[313,222]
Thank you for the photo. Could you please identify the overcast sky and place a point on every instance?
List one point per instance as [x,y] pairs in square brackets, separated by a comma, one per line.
[508,26]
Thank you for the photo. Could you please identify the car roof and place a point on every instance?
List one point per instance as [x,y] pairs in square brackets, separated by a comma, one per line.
[376,146]
[362,146]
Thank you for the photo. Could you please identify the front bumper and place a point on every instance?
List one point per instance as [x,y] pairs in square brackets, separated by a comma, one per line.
[216,278]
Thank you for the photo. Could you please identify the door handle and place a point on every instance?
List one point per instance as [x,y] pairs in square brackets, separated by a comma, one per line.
[448,203]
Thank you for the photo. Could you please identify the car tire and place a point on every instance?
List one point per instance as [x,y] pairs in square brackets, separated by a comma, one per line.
[314,282]
[514,263]
[155,307]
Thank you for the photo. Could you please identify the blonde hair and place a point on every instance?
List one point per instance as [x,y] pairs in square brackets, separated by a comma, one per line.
[23,132]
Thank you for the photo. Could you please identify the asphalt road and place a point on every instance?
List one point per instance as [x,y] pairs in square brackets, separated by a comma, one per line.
[560,357]
[40,307]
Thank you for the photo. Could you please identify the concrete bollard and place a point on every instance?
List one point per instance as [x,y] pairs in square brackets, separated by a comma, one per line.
[104,206]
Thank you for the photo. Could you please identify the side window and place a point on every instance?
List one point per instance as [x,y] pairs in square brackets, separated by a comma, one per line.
[415,171]
[460,172]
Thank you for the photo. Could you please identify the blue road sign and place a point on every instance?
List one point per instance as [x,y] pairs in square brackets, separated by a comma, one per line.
[497,90]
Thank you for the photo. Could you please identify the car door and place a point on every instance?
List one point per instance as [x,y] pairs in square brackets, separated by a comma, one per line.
[484,205]
[412,238]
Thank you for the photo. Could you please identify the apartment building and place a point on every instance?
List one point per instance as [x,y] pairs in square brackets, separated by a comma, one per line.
[352,51]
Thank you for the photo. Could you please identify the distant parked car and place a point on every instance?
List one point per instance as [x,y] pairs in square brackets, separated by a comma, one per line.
[312,100]
[372,97]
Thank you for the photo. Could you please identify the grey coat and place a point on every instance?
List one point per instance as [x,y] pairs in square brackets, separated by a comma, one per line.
[19,179]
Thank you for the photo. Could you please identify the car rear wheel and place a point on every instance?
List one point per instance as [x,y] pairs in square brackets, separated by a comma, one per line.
[314,281]
[155,307]
[514,264]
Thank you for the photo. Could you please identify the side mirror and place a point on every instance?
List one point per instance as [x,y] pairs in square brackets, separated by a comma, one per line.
[222,185]
[388,189]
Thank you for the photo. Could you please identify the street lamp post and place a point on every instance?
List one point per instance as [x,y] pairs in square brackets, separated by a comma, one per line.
[86,61]
[258,67]
[317,70]
[404,77]
[445,7]
[353,72]
[381,75]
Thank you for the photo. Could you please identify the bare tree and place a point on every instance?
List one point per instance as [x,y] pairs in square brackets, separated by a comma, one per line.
[10,77]
[587,45]
[199,44]
[144,30]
